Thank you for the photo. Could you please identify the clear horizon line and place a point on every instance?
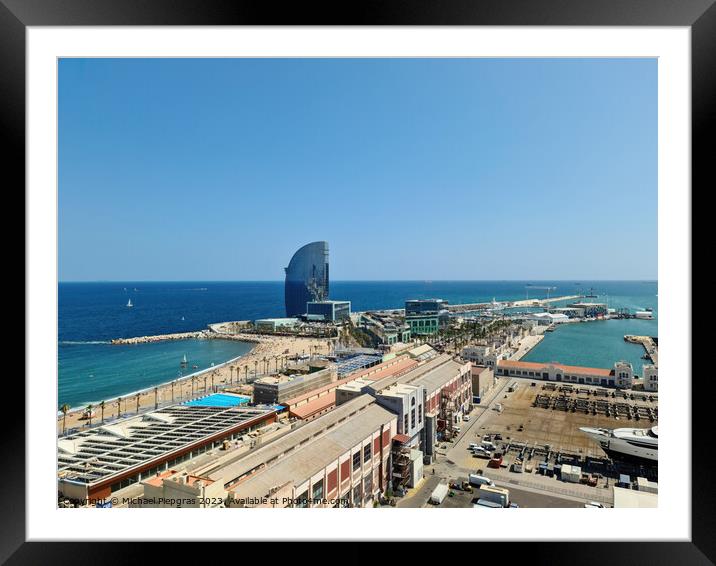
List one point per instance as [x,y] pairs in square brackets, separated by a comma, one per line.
[642,279]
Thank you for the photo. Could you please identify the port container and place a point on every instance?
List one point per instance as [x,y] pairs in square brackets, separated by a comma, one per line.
[498,495]
[439,494]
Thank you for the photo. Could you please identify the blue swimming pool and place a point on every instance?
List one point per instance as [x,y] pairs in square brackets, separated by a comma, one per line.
[219,400]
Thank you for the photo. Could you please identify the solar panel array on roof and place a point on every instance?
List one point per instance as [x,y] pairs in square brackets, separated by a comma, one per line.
[355,363]
[97,454]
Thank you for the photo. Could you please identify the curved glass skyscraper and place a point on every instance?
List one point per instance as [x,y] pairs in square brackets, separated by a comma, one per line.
[306,277]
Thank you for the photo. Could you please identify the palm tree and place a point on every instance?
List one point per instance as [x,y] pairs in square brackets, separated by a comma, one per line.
[256,368]
[137,397]
[193,380]
[205,383]
[156,404]
[119,407]
[246,374]
[101,408]
[89,413]
[65,409]
[173,382]
[212,379]
[231,375]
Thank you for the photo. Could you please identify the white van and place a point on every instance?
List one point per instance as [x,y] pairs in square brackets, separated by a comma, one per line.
[477,480]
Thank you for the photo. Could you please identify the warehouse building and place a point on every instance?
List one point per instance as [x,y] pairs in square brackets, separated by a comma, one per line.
[342,460]
[621,376]
[97,462]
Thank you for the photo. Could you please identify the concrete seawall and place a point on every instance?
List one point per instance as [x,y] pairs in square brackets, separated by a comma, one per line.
[649,345]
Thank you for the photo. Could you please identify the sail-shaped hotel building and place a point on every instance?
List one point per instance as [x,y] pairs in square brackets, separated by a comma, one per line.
[306,277]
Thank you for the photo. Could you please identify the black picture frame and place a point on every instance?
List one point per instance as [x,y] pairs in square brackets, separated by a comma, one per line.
[699,15]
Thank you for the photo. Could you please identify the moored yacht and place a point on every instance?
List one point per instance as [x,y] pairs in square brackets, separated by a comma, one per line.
[627,443]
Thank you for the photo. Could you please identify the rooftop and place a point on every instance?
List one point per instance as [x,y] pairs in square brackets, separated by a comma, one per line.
[565,368]
[315,406]
[98,454]
[436,377]
[316,455]
[287,443]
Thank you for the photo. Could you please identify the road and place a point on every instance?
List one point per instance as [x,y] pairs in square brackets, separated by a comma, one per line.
[527,490]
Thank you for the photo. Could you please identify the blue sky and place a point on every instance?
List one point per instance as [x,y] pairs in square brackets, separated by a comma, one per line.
[219,169]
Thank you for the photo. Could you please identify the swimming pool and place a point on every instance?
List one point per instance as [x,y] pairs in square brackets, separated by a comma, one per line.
[219,400]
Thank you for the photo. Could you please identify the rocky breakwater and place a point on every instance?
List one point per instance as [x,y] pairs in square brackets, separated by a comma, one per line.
[162,337]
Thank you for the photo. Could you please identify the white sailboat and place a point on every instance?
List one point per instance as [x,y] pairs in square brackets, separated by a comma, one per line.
[129,304]
[184,362]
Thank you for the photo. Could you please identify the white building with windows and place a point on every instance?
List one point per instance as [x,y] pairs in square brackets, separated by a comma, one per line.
[651,377]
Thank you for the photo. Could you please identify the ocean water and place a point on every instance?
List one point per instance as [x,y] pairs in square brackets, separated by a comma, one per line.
[91,314]
[92,372]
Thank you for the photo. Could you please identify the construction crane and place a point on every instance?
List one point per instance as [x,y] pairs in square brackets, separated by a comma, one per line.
[548,289]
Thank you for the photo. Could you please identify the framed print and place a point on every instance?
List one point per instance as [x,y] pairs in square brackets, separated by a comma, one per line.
[411,263]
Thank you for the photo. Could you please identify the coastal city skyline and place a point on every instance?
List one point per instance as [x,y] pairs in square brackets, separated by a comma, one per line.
[543,148]
[357,283]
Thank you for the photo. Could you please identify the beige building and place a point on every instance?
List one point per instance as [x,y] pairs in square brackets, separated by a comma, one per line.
[483,378]
[180,489]
[346,465]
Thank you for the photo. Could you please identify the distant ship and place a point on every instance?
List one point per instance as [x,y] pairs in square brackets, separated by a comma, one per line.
[640,444]
[129,304]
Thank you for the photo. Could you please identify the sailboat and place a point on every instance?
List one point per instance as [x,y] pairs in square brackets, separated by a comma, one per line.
[129,304]
[184,362]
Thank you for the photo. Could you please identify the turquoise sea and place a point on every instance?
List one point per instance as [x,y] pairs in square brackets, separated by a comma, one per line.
[90,314]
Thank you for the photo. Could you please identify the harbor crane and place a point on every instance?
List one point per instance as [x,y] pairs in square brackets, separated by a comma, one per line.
[548,289]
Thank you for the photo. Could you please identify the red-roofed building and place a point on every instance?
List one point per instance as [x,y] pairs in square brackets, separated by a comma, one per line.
[620,376]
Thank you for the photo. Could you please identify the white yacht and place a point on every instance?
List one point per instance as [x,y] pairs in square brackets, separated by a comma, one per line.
[627,443]
[129,304]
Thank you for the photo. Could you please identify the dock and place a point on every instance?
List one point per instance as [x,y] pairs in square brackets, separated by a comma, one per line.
[650,346]
[469,307]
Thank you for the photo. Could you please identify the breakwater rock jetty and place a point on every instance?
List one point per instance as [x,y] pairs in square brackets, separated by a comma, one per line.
[162,337]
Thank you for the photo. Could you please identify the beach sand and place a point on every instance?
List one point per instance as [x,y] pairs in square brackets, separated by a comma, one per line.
[275,349]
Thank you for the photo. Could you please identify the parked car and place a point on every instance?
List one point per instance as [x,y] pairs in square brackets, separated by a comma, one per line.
[480,452]
[593,504]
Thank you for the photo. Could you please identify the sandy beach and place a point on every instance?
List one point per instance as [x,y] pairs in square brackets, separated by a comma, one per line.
[269,350]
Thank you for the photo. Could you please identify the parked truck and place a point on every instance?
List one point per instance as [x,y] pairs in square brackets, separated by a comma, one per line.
[439,494]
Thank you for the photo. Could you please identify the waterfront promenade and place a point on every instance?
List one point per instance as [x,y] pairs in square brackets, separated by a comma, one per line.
[269,354]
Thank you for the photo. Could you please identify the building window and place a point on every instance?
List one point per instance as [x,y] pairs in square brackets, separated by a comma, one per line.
[412,417]
[356,461]
[368,486]
[420,413]
[356,496]
[405,424]
[302,500]
[318,491]
[366,453]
